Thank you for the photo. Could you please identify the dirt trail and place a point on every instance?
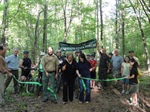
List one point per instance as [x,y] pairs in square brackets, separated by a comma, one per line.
[101,101]
[109,100]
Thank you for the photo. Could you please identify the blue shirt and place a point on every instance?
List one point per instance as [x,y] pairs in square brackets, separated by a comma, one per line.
[12,62]
[117,62]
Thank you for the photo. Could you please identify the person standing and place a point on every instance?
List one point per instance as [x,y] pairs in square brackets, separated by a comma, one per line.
[3,70]
[25,65]
[4,51]
[104,67]
[132,56]
[40,72]
[68,76]
[83,69]
[117,61]
[59,79]
[133,81]
[39,64]
[93,72]
[125,71]
[88,57]
[50,65]
[12,62]
[110,58]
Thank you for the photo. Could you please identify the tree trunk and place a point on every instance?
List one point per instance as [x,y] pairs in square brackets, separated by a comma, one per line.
[143,37]
[97,19]
[145,11]
[65,22]
[45,27]
[146,5]
[4,22]
[123,40]
[36,35]
[116,25]
[101,19]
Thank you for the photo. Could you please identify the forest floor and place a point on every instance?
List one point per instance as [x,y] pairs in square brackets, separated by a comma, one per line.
[109,100]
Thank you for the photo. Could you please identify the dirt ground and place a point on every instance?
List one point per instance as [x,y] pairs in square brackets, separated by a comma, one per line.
[109,100]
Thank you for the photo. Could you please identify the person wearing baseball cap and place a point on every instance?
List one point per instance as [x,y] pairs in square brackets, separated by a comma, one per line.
[131,55]
[25,65]
[25,52]
[40,71]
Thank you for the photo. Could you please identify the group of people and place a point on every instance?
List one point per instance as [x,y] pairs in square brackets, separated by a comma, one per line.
[69,68]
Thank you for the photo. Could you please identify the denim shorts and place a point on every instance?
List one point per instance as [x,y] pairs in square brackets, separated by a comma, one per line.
[125,81]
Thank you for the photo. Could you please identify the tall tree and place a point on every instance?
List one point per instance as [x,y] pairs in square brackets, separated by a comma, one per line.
[143,7]
[36,35]
[45,26]
[116,27]
[123,28]
[143,35]
[97,19]
[101,19]
[4,22]
[67,20]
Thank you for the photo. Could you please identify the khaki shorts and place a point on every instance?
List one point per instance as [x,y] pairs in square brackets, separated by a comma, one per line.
[134,88]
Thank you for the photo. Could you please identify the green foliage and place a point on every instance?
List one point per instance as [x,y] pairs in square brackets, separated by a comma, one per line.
[23,17]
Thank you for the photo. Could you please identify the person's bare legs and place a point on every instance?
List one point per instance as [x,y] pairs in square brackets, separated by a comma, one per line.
[93,83]
[134,98]
[123,85]
[128,86]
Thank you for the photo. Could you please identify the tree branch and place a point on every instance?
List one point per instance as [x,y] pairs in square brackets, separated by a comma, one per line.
[16,12]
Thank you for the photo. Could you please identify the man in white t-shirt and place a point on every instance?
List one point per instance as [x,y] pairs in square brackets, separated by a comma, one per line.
[131,55]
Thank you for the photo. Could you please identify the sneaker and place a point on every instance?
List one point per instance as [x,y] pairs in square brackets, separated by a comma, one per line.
[64,103]
[130,100]
[122,91]
[127,92]
[135,104]
[80,102]
[87,102]
[99,88]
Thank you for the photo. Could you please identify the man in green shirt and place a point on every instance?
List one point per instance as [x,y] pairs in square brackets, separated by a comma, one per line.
[3,70]
[50,66]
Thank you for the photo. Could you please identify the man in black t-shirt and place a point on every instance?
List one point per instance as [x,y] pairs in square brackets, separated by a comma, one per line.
[104,67]
[25,65]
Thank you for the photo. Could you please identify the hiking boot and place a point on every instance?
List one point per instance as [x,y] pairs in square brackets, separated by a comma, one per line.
[54,101]
[44,100]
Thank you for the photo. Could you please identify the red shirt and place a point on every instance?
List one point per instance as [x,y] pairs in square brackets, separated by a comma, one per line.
[93,63]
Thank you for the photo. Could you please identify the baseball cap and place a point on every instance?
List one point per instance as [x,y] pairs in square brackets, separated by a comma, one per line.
[92,55]
[42,54]
[26,52]
[58,50]
[110,53]
[131,51]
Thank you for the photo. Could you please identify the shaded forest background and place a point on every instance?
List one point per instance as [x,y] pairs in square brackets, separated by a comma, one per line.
[36,24]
